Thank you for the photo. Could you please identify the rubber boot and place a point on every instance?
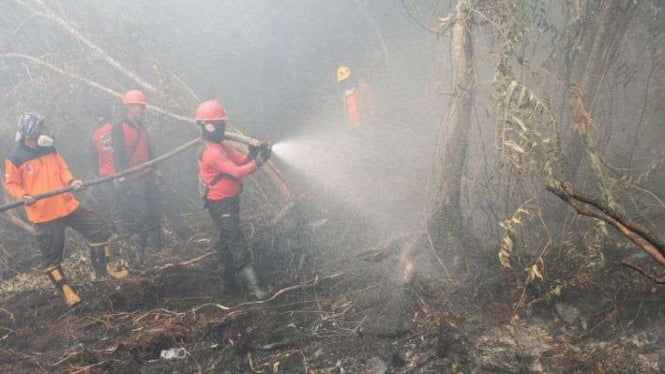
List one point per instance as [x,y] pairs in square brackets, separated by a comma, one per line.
[56,275]
[98,260]
[249,276]
[115,269]
[229,283]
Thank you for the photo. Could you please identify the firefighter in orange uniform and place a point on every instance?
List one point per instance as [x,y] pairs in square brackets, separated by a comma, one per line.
[35,167]
[358,99]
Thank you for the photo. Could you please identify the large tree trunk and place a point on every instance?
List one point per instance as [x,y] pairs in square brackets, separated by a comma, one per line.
[588,67]
[447,223]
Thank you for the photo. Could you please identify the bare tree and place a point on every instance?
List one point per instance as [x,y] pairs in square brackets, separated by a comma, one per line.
[446,224]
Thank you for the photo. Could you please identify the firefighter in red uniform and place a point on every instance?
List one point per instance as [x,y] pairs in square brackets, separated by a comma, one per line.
[35,167]
[221,171]
[102,163]
[135,204]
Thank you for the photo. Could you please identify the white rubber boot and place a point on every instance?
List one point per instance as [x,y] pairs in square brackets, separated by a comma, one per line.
[249,276]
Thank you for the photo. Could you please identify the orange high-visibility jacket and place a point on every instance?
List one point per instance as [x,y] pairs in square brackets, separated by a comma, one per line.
[30,171]
[360,104]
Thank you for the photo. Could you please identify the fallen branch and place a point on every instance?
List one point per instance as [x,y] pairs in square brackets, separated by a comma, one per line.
[649,275]
[235,309]
[184,263]
[216,305]
[9,332]
[276,345]
[651,245]
[159,311]
[311,283]
[86,369]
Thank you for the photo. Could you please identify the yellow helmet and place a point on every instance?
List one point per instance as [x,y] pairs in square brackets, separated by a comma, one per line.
[343,73]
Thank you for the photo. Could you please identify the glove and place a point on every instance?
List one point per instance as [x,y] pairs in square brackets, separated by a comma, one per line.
[265,152]
[77,184]
[253,151]
[28,199]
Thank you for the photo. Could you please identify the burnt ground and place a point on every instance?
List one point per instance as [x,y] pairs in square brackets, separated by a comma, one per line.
[329,314]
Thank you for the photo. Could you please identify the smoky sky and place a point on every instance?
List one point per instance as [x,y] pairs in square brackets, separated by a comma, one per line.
[267,61]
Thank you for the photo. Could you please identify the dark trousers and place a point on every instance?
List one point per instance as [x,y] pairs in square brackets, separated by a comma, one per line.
[137,209]
[51,235]
[232,242]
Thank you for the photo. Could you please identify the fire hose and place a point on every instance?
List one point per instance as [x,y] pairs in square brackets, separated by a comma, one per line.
[238,138]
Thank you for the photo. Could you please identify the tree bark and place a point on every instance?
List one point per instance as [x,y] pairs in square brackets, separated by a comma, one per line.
[602,37]
[447,223]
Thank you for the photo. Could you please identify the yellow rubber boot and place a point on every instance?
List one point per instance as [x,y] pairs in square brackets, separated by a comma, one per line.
[71,298]
[54,273]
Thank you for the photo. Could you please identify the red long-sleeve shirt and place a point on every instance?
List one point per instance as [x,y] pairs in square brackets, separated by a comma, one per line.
[130,149]
[102,141]
[232,166]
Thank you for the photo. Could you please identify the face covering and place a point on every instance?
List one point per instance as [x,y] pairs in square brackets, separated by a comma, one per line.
[45,141]
[213,132]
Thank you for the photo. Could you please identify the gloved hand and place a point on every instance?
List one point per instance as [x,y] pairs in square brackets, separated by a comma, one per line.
[265,152]
[28,199]
[253,151]
[77,184]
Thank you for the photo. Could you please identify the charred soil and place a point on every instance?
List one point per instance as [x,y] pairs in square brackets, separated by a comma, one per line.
[327,314]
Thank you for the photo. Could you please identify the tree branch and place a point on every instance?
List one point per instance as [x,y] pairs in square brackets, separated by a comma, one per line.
[97,50]
[645,240]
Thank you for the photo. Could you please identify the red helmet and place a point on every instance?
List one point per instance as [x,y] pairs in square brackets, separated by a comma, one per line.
[211,110]
[133,97]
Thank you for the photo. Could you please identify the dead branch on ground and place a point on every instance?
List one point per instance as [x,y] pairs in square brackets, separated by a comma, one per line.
[653,246]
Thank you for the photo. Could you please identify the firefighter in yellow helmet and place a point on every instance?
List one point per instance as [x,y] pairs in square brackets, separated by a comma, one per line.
[358,98]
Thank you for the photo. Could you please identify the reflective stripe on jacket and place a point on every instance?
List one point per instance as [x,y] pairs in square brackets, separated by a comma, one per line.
[31,171]
[221,159]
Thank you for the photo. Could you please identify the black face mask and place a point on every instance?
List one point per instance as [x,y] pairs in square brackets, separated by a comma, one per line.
[213,131]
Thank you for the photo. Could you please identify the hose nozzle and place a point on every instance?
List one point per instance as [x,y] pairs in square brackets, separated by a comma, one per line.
[260,144]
